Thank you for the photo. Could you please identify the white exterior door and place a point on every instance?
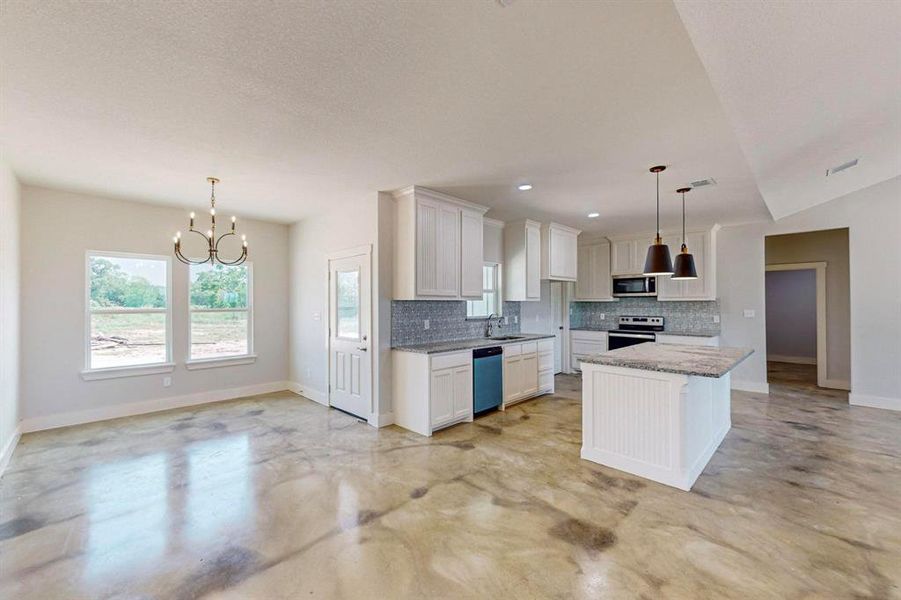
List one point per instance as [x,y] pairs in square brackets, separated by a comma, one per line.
[350,366]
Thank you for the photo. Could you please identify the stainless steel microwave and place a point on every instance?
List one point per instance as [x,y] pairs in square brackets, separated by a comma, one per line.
[632,285]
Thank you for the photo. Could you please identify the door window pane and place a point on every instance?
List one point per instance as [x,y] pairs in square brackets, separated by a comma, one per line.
[218,334]
[348,305]
[119,340]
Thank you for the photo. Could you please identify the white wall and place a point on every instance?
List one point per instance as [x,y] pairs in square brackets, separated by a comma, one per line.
[9,312]
[829,246]
[311,240]
[60,227]
[873,216]
[791,315]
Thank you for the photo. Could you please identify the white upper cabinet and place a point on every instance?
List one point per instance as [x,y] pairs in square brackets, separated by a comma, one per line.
[438,246]
[594,281]
[471,253]
[559,252]
[627,255]
[522,261]
[702,245]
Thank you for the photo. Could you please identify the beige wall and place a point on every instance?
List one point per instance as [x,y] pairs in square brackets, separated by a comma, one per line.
[831,247]
[9,311]
[311,241]
[873,219]
[60,228]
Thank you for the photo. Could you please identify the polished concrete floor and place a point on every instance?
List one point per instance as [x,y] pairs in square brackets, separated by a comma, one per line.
[277,497]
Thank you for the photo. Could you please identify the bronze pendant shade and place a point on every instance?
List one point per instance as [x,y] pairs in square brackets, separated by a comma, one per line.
[658,261]
[684,266]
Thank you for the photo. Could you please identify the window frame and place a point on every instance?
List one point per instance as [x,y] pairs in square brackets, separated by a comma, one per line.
[167,366]
[498,291]
[222,361]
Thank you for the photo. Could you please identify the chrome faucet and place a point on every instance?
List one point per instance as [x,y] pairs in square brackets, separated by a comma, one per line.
[488,327]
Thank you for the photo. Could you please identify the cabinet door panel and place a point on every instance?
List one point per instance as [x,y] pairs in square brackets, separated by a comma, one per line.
[533,263]
[512,378]
[471,254]
[448,248]
[529,374]
[426,248]
[603,286]
[622,257]
[585,281]
[442,396]
[462,392]
[697,288]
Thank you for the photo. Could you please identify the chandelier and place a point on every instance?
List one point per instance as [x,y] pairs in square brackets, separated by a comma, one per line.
[210,237]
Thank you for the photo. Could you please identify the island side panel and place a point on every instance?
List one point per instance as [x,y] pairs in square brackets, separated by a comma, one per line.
[707,418]
[632,421]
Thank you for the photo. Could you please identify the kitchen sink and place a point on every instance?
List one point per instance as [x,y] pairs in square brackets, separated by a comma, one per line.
[507,337]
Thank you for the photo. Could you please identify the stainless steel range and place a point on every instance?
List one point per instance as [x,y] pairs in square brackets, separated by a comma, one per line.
[634,330]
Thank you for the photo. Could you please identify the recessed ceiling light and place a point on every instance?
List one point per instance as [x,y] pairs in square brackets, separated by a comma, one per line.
[842,167]
[594,215]
[524,187]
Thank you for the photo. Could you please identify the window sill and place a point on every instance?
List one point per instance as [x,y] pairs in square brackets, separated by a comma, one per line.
[213,363]
[131,371]
[486,318]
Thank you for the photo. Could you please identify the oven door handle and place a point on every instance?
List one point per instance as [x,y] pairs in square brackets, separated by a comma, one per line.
[638,336]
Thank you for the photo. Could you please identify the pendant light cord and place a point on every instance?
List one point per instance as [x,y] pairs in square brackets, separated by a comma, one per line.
[683,219]
[658,204]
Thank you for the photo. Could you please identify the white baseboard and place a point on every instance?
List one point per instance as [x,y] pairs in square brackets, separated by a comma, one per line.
[381,420]
[796,360]
[80,417]
[751,386]
[838,384]
[874,401]
[7,453]
[309,392]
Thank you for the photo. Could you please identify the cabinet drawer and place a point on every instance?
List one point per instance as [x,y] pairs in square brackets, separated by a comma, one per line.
[512,349]
[546,345]
[446,361]
[545,360]
[529,347]
[588,336]
[588,347]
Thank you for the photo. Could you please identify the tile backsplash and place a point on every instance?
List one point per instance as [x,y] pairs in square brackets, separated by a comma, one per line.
[680,316]
[447,321]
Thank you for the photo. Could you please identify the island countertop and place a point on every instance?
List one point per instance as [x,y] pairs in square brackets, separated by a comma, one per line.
[703,361]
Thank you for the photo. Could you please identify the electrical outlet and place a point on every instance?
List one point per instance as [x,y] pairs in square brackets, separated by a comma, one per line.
[316,316]
[167,381]
[716,318]
[602,316]
[750,313]
[425,324]
[515,320]
[306,374]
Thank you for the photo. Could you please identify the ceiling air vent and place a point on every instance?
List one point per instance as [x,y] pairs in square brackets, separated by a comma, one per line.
[703,182]
[842,167]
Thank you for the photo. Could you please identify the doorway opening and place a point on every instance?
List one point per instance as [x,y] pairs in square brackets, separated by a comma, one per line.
[808,309]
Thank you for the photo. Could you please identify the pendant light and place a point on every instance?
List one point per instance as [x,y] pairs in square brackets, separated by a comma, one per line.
[684,265]
[658,261]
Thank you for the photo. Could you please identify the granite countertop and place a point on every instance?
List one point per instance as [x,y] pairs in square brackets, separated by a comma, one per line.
[469,344]
[704,361]
[691,332]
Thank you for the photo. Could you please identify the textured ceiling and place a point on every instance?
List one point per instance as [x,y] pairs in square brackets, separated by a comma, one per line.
[807,85]
[300,106]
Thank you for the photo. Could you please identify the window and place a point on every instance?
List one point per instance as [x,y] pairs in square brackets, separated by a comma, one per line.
[491,294]
[129,318]
[347,292]
[221,312]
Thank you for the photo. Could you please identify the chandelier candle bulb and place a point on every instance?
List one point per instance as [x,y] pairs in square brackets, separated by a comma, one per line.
[192,219]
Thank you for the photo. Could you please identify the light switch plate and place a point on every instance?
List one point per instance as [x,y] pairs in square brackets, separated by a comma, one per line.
[425,324]
[750,313]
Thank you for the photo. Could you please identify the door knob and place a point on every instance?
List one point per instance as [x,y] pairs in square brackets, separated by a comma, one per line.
[362,348]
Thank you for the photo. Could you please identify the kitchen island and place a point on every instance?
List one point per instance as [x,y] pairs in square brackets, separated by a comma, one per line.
[657,411]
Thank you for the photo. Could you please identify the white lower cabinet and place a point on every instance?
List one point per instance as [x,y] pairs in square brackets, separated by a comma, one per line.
[432,391]
[528,370]
[585,343]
